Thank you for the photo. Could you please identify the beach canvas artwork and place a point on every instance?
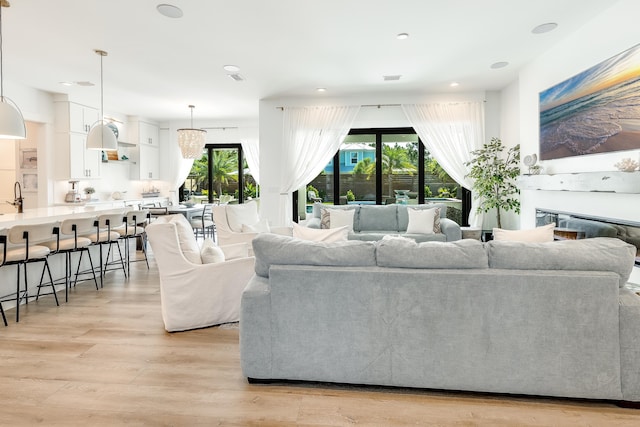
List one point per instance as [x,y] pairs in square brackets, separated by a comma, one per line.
[596,111]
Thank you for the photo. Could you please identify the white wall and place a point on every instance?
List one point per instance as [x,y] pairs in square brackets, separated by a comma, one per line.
[598,40]
[594,42]
[388,115]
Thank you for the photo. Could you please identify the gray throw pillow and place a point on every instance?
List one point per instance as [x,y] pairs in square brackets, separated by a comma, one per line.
[270,249]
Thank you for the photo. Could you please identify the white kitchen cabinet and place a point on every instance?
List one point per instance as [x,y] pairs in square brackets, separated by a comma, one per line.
[73,117]
[145,162]
[73,160]
[143,133]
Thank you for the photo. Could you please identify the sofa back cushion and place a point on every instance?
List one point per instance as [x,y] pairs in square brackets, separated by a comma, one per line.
[403,216]
[406,253]
[245,213]
[597,254]
[186,239]
[377,218]
[274,249]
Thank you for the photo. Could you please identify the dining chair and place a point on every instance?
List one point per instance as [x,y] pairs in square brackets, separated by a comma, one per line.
[203,224]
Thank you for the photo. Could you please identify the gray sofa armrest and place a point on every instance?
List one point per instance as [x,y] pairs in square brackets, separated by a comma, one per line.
[451,229]
[313,223]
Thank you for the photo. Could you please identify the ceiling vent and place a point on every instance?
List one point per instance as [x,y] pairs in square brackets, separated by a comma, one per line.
[236,77]
[391,78]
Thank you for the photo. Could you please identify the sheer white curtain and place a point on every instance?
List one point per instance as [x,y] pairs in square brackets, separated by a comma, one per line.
[311,136]
[450,132]
[178,168]
[251,151]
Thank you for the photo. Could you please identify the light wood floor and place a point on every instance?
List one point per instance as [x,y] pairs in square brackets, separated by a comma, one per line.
[104,358]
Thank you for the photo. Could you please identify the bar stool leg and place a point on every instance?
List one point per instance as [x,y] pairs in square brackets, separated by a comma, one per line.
[4,318]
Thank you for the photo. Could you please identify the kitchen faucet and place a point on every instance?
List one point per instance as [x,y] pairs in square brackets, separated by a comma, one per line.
[17,194]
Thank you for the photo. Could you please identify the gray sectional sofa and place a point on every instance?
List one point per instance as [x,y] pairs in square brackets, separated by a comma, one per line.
[549,319]
[373,222]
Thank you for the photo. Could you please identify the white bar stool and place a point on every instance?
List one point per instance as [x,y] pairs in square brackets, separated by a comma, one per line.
[26,249]
[69,240]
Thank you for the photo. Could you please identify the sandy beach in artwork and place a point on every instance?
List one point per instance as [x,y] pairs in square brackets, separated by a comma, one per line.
[625,140]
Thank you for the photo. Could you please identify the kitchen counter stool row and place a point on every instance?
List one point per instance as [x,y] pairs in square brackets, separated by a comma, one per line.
[26,244]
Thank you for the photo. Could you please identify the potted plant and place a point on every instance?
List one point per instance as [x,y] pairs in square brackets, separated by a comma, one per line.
[89,191]
[494,177]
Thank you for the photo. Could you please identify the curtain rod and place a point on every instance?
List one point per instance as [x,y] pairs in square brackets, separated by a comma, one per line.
[365,105]
[394,105]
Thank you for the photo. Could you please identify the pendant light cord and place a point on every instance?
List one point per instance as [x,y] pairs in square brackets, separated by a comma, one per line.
[1,61]
[101,90]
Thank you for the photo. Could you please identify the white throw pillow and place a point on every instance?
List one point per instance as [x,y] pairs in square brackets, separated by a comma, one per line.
[210,253]
[341,217]
[320,235]
[261,226]
[537,235]
[246,213]
[421,221]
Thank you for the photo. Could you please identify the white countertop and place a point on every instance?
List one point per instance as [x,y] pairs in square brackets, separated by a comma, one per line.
[53,213]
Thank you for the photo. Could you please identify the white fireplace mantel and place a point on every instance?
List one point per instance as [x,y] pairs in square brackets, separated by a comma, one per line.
[608,182]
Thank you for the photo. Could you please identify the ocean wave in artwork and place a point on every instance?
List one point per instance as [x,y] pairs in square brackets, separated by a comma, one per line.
[585,124]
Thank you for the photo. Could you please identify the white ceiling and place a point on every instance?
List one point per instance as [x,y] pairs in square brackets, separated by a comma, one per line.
[157,65]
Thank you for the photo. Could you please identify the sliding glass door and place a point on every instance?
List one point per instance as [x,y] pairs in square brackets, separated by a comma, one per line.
[220,176]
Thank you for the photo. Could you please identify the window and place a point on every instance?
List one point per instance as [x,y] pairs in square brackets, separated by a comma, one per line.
[377,166]
[217,177]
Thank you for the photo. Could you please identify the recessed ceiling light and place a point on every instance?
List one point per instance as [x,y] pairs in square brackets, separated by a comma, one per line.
[321,89]
[84,83]
[169,10]
[66,83]
[544,28]
[500,64]
[402,36]
[231,68]
[454,84]
[391,78]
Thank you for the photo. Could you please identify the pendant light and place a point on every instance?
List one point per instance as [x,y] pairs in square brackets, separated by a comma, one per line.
[191,141]
[11,121]
[101,136]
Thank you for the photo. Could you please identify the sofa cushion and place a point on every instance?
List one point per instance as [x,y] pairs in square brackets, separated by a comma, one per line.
[270,249]
[596,254]
[210,253]
[423,221]
[406,253]
[336,218]
[245,213]
[318,235]
[403,216]
[539,234]
[376,218]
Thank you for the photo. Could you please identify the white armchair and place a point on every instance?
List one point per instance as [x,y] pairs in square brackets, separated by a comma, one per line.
[241,223]
[195,295]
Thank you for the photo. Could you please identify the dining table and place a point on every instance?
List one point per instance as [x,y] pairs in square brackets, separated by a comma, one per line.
[188,211]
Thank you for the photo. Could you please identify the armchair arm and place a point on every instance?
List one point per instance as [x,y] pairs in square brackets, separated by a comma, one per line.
[451,229]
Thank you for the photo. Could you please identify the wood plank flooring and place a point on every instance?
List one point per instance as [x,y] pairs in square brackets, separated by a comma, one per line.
[104,359]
